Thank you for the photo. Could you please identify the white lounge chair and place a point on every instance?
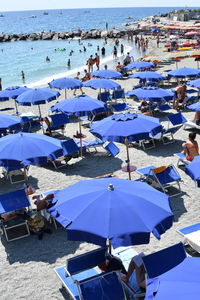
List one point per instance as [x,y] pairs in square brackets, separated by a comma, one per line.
[190,235]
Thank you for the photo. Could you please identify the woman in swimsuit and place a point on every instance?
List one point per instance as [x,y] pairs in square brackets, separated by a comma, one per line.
[191,148]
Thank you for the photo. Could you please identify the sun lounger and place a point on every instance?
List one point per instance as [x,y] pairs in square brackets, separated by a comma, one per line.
[17,227]
[164,260]
[191,124]
[181,159]
[14,171]
[58,121]
[118,94]
[70,150]
[112,149]
[120,107]
[162,177]
[80,268]
[104,96]
[190,235]
[177,119]
[167,135]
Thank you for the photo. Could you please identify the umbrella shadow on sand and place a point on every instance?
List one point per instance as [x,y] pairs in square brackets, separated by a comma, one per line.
[6,187]
[177,206]
[47,250]
[102,164]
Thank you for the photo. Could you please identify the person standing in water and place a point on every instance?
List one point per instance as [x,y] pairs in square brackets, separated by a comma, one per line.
[0,84]
[97,60]
[23,76]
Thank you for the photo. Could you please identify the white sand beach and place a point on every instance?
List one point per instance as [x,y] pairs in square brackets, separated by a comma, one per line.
[27,265]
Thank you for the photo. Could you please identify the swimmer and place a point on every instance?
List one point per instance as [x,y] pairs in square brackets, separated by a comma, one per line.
[84,49]
[69,63]
[80,50]
[47,59]
[23,76]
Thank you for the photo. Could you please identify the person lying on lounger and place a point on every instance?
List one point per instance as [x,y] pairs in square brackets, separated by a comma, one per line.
[190,147]
[112,263]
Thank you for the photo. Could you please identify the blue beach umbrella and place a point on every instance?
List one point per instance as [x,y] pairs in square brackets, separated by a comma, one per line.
[126,128]
[12,92]
[194,83]
[195,106]
[107,74]
[9,122]
[65,83]
[98,83]
[79,106]
[29,148]
[184,72]
[151,94]
[181,282]
[147,76]
[139,65]
[193,169]
[91,211]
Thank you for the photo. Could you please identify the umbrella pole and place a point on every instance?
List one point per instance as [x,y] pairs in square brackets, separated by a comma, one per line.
[41,117]
[16,108]
[128,158]
[81,145]
[109,247]
[65,94]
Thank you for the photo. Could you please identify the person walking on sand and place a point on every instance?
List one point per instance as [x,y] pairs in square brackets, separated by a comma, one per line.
[122,49]
[115,52]
[158,40]
[78,78]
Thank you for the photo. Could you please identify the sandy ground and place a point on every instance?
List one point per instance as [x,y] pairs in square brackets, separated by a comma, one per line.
[27,265]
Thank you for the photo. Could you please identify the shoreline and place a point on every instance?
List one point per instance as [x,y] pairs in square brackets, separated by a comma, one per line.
[71,73]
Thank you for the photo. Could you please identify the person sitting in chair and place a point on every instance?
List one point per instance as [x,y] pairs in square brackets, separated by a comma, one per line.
[191,148]
[112,263]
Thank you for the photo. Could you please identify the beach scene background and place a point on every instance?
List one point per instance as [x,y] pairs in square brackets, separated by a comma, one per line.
[29,56]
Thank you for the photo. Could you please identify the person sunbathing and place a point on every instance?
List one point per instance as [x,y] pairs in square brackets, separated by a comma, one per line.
[181,95]
[87,76]
[112,263]
[145,111]
[191,148]
[136,270]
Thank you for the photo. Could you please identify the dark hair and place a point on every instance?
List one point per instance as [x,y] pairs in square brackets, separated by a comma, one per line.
[192,135]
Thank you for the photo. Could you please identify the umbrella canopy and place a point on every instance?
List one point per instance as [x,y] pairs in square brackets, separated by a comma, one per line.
[37,97]
[12,92]
[101,84]
[184,72]
[65,83]
[151,94]
[139,65]
[126,128]
[191,33]
[82,105]
[193,169]
[194,83]
[181,282]
[107,74]
[9,122]
[148,75]
[125,212]
[29,147]
[195,106]
[120,126]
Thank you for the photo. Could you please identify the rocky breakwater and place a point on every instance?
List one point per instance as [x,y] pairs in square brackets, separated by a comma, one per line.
[52,35]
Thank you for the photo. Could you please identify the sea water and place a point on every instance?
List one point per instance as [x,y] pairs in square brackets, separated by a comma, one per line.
[30,56]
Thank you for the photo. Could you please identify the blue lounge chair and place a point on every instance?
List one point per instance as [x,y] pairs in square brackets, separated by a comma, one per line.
[118,94]
[167,135]
[80,268]
[177,119]
[104,96]
[120,107]
[14,171]
[112,149]
[10,202]
[190,236]
[164,260]
[70,150]
[58,121]
[181,159]
[164,107]
[162,177]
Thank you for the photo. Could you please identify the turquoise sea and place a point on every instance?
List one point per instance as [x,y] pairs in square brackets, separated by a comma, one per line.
[29,56]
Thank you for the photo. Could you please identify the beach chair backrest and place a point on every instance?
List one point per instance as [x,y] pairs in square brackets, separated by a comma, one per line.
[69,147]
[86,261]
[120,106]
[176,119]
[104,96]
[164,260]
[112,149]
[103,286]
[13,201]
[59,119]
[118,94]
[167,174]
